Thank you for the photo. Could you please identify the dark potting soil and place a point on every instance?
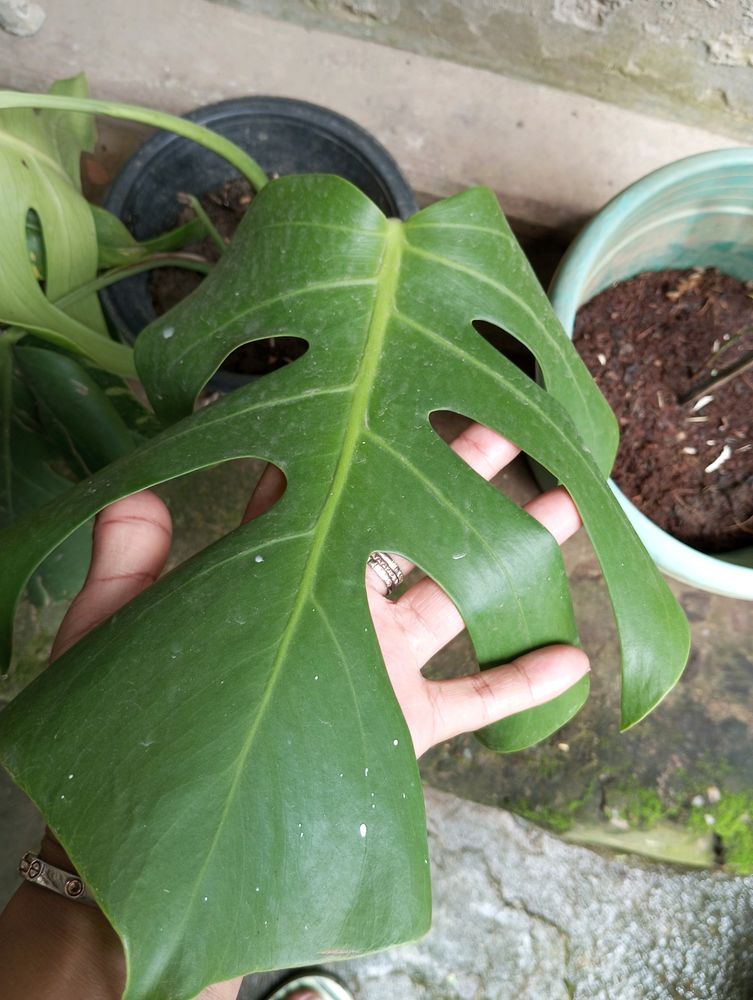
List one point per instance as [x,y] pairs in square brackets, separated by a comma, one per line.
[685,459]
[225,206]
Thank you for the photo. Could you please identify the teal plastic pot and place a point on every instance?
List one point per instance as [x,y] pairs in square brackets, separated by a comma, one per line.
[697,212]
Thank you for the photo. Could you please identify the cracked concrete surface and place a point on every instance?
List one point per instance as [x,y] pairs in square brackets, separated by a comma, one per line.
[686,61]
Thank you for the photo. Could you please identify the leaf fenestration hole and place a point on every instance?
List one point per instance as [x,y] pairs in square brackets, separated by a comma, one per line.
[508,344]
[238,490]
[35,246]
[426,610]
[264,356]
[502,464]
[268,491]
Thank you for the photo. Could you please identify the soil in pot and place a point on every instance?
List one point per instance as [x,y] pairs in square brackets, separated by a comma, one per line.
[225,206]
[672,351]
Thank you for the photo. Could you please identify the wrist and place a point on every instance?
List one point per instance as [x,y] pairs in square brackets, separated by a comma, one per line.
[83,956]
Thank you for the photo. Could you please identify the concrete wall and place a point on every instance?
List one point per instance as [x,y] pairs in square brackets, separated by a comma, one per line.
[690,60]
[553,156]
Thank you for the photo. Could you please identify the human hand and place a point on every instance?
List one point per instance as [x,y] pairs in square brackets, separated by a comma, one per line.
[424,619]
[132,540]
[131,544]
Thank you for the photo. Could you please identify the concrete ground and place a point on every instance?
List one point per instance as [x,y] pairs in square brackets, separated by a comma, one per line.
[519,913]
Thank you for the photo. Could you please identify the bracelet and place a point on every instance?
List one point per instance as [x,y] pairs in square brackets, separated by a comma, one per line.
[39,872]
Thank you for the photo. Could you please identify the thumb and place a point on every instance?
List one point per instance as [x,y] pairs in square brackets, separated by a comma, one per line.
[130,546]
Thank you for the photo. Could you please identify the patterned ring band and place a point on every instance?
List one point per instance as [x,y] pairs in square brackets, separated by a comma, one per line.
[39,872]
[386,569]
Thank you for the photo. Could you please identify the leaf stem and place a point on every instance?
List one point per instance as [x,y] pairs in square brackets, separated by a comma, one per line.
[174,239]
[198,209]
[11,335]
[234,155]
[189,262]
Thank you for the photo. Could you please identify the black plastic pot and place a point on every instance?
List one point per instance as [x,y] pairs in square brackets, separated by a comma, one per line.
[284,136]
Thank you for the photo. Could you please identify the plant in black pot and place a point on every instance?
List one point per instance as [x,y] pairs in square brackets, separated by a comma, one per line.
[285,137]
[245,690]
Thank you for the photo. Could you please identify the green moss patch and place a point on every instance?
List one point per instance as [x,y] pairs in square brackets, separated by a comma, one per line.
[731,819]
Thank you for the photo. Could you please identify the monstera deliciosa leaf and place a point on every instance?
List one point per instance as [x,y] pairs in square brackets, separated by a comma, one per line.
[224,759]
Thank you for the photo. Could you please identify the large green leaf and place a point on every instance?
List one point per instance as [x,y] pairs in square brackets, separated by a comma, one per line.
[42,211]
[224,759]
[77,414]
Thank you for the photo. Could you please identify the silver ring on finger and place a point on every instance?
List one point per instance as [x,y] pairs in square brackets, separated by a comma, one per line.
[388,571]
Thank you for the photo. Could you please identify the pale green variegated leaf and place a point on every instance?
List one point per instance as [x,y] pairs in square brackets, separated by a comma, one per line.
[224,759]
[70,135]
[41,202]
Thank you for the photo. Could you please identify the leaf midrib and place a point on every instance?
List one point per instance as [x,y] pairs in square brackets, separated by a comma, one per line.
[384,300]
[386,283]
